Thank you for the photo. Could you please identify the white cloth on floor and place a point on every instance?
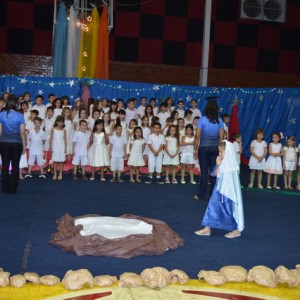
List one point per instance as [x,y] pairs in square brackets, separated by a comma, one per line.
[113,227]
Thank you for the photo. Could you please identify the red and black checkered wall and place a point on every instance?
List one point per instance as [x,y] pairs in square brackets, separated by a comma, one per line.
[168,32]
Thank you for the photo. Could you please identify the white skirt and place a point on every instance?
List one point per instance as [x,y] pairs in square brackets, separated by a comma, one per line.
[274,165]
[254,164]
[187,158]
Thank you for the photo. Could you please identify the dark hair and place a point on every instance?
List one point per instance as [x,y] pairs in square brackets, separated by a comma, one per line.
[188,112]
[130,101]
[180,101]
[292,138]
[96,110]
[277,133]
[120,112]
[58,120]
[11,103]
[176,134]
[109,118]
[156,124]
[50,95]
[54,102]
[144,118]
[151,113]
[189,126]
[64,110]
[173,114]
[134,131]
[82,121]
[154,120]
[35,111]
[194,100]
[257,131]
[81,109]
[236,135]
[169,119]
[65,98]
[38,119]
[111,105]
[49,108]
[164,104]
[97,122]
[39,96]
[212,111]
[117,126]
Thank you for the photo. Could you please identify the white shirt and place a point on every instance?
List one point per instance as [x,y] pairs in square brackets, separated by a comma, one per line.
[36,142]
[290,153]
[81,139]
[163,117]
[118,143]
[141,113]
[130,114]
[48,124]
[181,113]
[196,113]
[156,140]
[41,109]
[237,149]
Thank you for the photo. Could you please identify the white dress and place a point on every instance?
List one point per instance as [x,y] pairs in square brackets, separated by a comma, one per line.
[70,133]
[254,164]
[98,152]
[172,144]
[187,152]
[146,133]
[274,163]
[136,154]
[58,146]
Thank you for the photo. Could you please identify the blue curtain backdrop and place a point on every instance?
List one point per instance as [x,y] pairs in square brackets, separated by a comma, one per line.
[273,109]
[61,43]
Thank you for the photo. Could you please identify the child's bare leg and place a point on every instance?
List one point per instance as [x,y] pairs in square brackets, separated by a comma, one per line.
[173,172]
[20,174]
[131,174]
[138,174]
[102,173]
[182,172]
[275,180]
[259,177]
[252,176]
[290,177]
[60,171]
[29,170]
[269,180]
[167,173]
[42,170]
[54,171]
[83,170]
[285,179]
[191,169]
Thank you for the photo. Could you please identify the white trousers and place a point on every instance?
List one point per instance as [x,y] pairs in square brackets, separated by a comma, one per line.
[155,162]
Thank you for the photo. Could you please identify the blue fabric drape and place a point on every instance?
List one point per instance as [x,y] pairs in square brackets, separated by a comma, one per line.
[273,109]
[60,43]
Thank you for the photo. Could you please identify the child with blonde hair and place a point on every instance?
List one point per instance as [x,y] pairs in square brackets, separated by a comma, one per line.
[289,161]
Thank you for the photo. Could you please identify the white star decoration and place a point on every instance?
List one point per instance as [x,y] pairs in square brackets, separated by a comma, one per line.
[268,120]
[261,97]
[119,87]
[40,92]
[72,97]
[12,87]
[292,120]
[280,91]
[289,100]
[174,89]
[114,100]
[52,84]
[221,109]
[71,82]
[155,87]
[188,98]
[23,80]
[215,89]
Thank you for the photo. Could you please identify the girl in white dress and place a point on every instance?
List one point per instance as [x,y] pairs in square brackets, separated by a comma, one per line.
[257,162]
[58,146]
[181,128]
[78,105]
[171,158]
[132,124]
[274,163]
[146,132]
[187,153]
[113,111]
[154,107]
[107,124]
[289,161]
[57,107]
[92,119]
[66,113]
[137,147]
[98,152]
[149,113]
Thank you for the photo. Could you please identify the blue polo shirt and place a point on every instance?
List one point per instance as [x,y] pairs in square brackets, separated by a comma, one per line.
[11,121]
[209,132]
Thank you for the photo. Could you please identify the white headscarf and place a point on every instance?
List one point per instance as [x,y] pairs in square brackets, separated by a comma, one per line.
[229,183]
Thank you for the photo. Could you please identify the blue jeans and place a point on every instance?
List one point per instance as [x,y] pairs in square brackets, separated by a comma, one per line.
[207,160]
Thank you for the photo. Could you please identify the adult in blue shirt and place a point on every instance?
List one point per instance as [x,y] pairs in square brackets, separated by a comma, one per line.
[209,132]
[12,144]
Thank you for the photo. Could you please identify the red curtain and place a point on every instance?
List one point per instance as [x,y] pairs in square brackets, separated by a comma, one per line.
[102,53]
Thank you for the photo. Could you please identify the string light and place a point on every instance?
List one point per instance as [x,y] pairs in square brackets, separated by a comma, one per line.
[85,54]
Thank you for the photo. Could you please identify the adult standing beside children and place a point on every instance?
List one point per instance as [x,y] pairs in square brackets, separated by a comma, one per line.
[12,144]
[209,132]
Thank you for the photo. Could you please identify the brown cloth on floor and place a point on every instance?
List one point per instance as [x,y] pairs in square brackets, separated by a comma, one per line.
[68,238]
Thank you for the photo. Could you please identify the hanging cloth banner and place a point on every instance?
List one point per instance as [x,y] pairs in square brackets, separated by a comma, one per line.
[103,44]
[74,38]
[88,48]
[60,43]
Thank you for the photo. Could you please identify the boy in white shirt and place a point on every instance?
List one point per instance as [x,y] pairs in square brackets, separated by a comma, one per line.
[131,112]
[81,143]
[51,98]
[156,143]
[29,125]
[48,125]
[117,153]
[238,146]
[180,109]
[37,139]
[39,106]
[196,112]
[141,110]
[163,115]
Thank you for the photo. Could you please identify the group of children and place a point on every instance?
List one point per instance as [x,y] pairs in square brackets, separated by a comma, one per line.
[105,134]
[281,159]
